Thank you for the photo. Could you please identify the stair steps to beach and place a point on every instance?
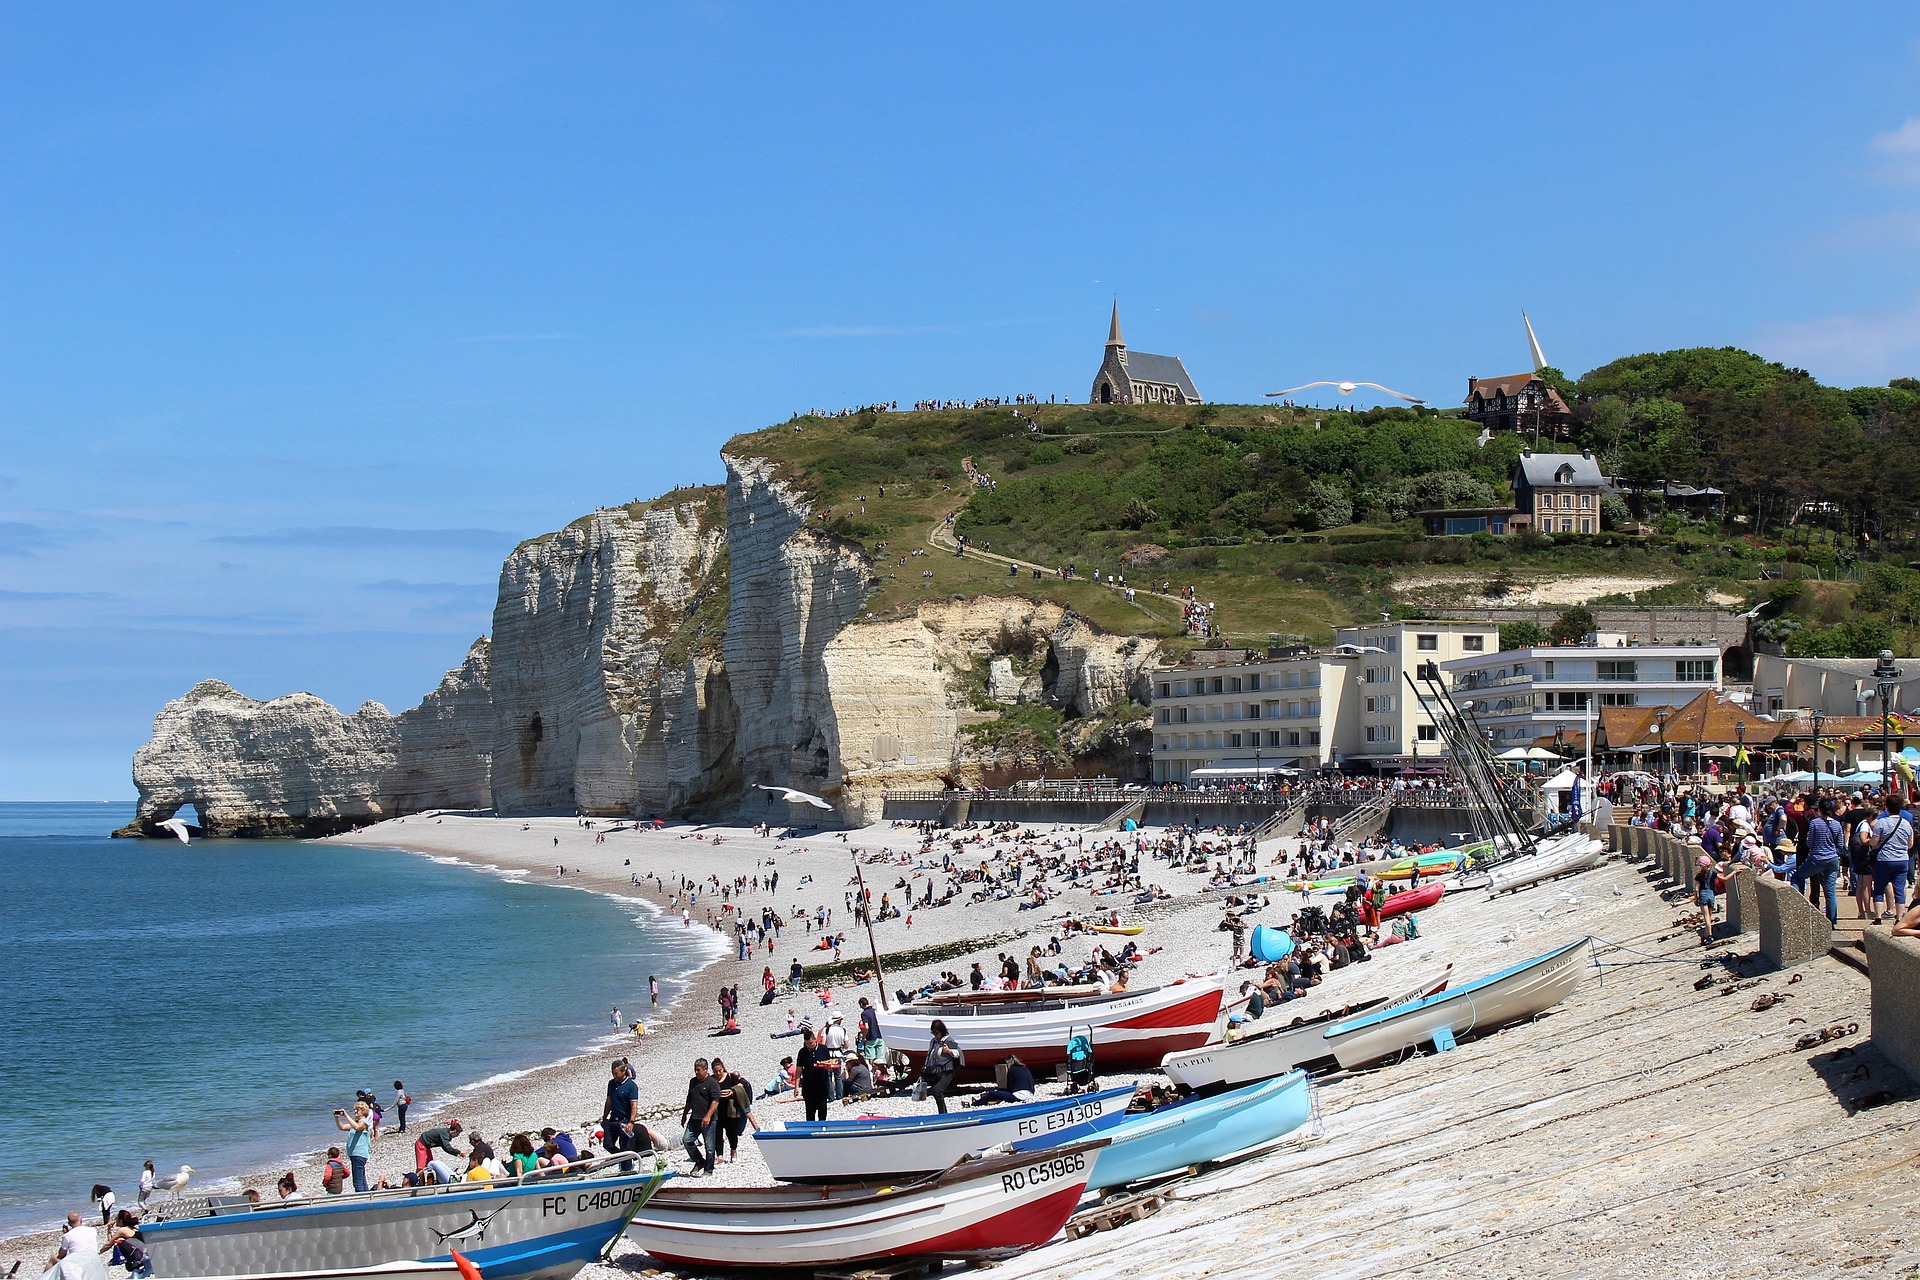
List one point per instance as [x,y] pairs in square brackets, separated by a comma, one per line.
[1134,809]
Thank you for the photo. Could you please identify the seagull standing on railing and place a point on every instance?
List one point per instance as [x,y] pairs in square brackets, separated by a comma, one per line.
[795,797]
[175,1182]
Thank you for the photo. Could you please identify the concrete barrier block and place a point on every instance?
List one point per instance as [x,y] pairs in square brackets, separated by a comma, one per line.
[1742,905]
[1894,966]
[1792,931]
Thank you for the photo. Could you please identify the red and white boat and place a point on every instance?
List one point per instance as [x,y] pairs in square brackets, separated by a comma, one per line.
[1016,1201]
[1131,1030]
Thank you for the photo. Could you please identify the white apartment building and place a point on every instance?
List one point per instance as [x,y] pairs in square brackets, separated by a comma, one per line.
[1231,714]
[1523,695]
[1256,713]
[1395,727]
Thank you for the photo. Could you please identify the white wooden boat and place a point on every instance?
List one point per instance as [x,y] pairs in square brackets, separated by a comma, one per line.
[1563,855]
[1276,1052]
[526,1229]
[842,1150]
[1009,1201]
[1130,1030]
[1522,991]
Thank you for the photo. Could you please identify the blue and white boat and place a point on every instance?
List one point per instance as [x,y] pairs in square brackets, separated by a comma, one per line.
[1196,1130]
[1521,991]
[892,1146]
[534,1228]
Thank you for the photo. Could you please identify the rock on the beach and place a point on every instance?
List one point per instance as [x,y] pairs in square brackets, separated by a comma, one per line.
[296,766]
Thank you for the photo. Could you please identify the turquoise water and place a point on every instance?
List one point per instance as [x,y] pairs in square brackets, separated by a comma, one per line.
[211,1004]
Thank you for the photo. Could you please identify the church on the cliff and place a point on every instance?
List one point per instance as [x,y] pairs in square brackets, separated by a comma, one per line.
[1134,377]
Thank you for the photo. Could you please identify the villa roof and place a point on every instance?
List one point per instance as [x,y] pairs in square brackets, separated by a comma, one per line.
[1709,720]
[1540,469]
[1513,384]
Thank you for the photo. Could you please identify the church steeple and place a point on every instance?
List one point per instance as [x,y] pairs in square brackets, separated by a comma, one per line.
[1113,331]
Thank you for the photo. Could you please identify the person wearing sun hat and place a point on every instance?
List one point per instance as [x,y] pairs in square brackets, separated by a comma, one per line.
[1705,877]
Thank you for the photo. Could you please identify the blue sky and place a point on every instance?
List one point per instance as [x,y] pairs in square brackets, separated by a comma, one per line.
[312,312]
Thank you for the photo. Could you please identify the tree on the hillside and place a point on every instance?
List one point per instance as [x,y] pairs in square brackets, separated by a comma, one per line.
[1571,626]
[1325,505]
[1521,635]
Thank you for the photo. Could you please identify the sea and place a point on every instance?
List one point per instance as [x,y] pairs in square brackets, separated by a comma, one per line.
[211,1004]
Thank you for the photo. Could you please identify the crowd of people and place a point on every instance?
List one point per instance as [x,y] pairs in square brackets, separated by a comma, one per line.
[1836,844]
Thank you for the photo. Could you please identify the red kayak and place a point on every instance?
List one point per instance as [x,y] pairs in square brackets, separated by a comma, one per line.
[1413,900]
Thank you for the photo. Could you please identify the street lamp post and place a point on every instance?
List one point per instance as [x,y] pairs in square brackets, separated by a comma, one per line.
[1666,756]
[1819,718]
[1886,675]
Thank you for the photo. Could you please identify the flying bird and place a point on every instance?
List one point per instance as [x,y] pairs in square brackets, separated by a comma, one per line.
[178,828]
[795,797]
[174,1182]
[1347,389]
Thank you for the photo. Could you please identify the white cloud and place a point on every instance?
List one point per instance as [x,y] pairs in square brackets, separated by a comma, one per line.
[1865,348]
[1904,141]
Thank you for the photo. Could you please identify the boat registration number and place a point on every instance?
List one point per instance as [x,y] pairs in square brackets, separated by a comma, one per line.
[588,1201]
[1035,1175]
[1060,1119]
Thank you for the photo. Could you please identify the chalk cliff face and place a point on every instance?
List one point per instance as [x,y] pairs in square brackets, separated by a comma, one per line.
[608,693]
[904,690]
[795,587]
[663,659]
[295,766]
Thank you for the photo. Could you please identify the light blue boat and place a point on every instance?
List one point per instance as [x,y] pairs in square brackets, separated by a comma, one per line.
[1195,1130]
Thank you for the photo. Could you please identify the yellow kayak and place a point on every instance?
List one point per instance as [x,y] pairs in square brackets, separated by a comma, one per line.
[1124,930]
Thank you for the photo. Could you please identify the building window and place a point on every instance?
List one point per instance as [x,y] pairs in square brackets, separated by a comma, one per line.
[1313,706]
[1619,699]
[1427,643]
[1217,683]
[1181,716]
[1253,711]
[1166,716]
[1473,644]
[1235,740]
[1293,738]
[1166,690]
[1313,737]
[1273,737]
[1253,682]
[1586,524]
[1235,685]
[1619,670]
[1427,733]
[1694,669]
[1180,688]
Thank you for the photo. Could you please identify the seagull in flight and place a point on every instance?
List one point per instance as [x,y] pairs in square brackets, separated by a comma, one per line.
[795,797]
[178,828]
[1347,389]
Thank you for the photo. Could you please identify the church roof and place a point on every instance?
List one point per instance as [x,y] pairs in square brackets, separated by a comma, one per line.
[1165,370]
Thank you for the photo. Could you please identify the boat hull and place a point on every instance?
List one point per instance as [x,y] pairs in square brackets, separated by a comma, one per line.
[544,1230]
[1580,853]
[1399,904]
[1130,1032]
[842,1150]
[1262,1057]
[1198,1130]
[1012,1202]
[1510,995]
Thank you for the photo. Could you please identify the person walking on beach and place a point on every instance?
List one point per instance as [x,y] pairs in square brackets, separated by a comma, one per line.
[653,990]
[617,1117]
[401,1101]
[700,1118]
[736,1108]
[361,1129]
[943,1059]
[146,1181]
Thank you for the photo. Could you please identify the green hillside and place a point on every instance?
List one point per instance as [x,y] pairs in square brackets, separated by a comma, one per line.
[1296,521]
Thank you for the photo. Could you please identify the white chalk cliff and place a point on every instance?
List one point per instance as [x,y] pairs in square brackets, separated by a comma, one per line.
[661,659]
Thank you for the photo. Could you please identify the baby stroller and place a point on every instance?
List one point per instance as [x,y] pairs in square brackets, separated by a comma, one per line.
[1080,1072]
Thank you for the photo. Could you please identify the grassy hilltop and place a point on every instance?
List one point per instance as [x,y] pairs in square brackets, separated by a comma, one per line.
[1296,520]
